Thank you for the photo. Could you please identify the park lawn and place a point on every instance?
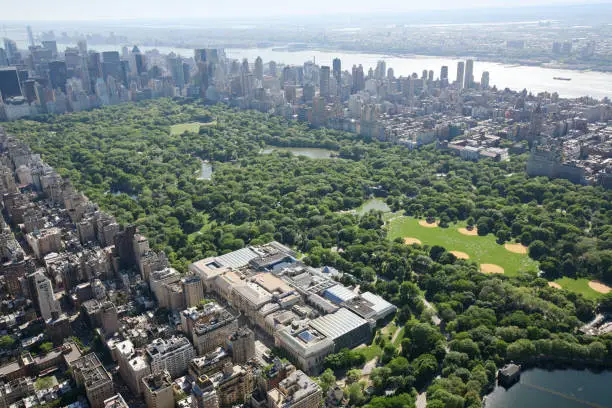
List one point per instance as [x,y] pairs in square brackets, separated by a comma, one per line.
[370,352]
[580,285]
[193,127]
[482,250]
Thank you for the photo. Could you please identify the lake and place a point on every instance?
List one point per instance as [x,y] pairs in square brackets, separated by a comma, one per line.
[515,77]
[377,204]
[312,152]
[540,388]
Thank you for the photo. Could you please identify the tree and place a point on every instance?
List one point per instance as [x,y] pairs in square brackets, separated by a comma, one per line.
[353,375]
[355,394]
[537,250]
[521,350]
[327,379]
[425,367]
[6,342]
[46,347]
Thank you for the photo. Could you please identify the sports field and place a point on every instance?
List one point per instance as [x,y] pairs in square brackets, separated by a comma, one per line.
[482,250]
[193,127]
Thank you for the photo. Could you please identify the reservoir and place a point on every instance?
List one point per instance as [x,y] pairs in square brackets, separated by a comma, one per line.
[312,152]
[539,388]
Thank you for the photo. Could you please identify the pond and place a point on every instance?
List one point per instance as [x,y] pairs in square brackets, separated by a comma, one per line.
[311,152]
[555,389]
[377,204]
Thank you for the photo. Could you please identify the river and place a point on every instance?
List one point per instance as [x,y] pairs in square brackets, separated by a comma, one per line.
[515,77]
[540,388]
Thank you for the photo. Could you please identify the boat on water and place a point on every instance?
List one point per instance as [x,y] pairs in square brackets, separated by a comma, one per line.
[562,79]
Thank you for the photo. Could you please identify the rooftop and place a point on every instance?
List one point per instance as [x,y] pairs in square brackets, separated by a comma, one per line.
[115,402]
[337,324]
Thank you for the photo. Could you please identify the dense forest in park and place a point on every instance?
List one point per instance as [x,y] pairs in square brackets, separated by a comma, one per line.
[126,159]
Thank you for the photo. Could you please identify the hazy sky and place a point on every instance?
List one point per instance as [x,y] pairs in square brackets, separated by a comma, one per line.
[27,10]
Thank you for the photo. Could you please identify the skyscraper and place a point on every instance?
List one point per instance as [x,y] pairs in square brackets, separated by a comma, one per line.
[324,81]
[58,74]
[358,78]
[469,74]
[50,46]
[94,66]
[175,63]
[444,73]
[49,306]
[3,58]
[337,69]
[460,74]
[30,36]
[381,70]
[9,82]
[259,68]
[272,67]
[12,54]
[484,81]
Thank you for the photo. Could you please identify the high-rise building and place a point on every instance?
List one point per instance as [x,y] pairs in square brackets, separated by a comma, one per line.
[115,401]
[140,62]
[158,391]
[30,37]
[209,326]
[484,81]
[89,372]
[567,48]
[58,75]
[111,56]
[469,74]
[193,290]
[176,69]
[12,53]
[337,69]
[3,58]
[203,394]
[9,82]
[297,390]
[324,76]
[358,78]
[173,354]
[272,69]
[95,66]
[242,345]
[48,304]
[259,68]
[381,70]
[460,74]
[51,46]
[444,73]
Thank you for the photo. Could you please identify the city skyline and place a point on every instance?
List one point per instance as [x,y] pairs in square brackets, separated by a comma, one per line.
[72,10]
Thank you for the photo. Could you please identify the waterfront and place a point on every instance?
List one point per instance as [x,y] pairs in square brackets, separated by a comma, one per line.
[555,389]
[516,77]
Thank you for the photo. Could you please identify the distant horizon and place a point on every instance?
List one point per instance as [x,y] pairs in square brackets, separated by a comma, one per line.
[156,11]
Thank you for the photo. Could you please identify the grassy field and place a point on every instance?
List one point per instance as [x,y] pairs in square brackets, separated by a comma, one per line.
[370,352]
[579,286]
[193,127]
[482,250]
